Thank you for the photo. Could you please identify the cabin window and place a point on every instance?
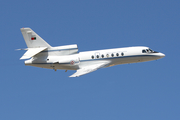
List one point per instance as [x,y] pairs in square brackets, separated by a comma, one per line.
[107,55]
[97,56]
[117,54]
[92,56]
[122,54]
[112,55]
[102,56]
[47,59]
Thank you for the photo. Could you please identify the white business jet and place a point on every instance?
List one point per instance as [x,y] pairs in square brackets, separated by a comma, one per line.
[68,58]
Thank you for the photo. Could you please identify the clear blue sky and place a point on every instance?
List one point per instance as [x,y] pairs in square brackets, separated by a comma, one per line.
[142,91]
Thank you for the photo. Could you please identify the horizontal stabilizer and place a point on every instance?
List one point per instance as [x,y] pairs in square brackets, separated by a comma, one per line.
[32,52]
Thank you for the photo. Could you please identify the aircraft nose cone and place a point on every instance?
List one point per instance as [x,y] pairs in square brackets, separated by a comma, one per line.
[162,55]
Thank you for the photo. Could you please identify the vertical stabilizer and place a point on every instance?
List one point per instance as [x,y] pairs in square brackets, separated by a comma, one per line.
[32,39]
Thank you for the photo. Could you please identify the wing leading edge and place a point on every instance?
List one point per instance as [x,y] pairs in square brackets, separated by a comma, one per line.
[89,69]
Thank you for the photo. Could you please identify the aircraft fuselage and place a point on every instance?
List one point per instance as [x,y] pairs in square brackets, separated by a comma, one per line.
[115,56]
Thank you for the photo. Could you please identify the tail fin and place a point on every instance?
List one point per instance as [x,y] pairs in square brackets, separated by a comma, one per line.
[32,39]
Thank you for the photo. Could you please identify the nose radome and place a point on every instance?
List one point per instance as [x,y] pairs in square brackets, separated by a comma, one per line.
[162,55]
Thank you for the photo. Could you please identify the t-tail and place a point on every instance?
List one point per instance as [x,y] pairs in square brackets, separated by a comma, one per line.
[38,47]
[34,43]
[32,39]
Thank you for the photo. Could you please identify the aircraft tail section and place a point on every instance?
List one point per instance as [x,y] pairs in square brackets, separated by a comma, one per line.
[40,48]
[32,39]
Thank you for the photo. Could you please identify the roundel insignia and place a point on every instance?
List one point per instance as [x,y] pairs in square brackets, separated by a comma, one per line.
[72,62]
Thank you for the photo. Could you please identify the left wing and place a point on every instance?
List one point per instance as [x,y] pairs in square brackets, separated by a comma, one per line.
[88,69]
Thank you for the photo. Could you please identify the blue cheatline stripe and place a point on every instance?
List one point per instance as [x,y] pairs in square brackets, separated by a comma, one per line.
[118,57]
[102,59]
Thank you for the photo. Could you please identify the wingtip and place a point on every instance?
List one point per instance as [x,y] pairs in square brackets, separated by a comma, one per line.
[73,76]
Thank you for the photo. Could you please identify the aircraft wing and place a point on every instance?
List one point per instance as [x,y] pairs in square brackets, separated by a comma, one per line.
[89,69]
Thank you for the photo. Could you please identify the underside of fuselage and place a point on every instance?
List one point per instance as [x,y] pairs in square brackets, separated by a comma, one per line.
[54,66]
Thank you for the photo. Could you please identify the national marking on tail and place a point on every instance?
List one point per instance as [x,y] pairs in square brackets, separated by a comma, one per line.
[32,39]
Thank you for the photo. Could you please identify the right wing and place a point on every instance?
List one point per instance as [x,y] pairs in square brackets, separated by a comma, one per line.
[88,69]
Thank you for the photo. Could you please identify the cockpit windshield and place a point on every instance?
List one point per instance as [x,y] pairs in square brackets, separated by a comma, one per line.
[148,51]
